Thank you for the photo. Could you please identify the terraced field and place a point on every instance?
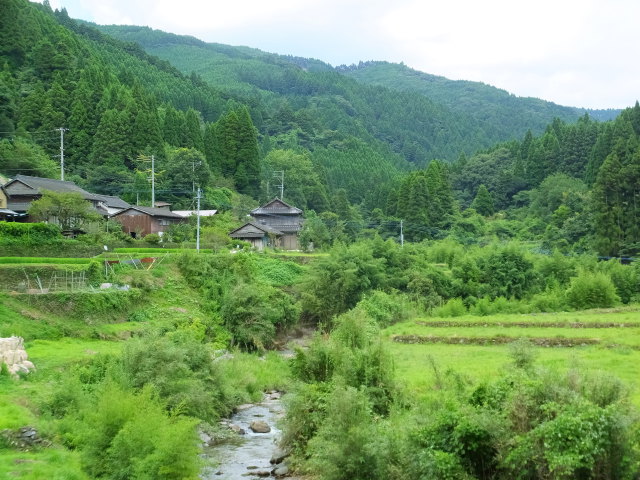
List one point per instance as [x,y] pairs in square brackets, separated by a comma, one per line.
[477,348]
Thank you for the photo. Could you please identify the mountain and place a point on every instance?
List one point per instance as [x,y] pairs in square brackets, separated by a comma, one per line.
[127,91]
[483,101]
[430,117]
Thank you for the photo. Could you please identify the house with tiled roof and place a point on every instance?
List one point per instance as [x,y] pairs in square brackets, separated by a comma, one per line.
[141,221]
[24,189]
[275,223]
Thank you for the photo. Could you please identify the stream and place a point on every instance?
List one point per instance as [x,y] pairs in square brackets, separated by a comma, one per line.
[247,456]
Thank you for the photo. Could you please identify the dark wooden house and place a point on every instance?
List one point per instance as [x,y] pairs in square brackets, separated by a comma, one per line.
[283,218]
[260,236]
[141,221]
[24,189]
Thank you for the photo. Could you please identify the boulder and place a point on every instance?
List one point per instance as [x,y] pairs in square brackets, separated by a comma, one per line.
[279,455]
[236,428]
[280,471]
[260,426]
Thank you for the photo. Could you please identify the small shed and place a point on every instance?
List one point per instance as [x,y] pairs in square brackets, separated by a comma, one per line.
[141,221]
[260,236]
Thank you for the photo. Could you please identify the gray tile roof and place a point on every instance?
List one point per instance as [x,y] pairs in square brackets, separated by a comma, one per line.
[265,228]
[40,184]
[154,212]
[112,201]
[276,207]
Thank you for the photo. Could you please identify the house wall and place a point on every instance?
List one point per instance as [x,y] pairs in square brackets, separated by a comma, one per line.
[290,242]
[3,199]
[143,224]
[20,203]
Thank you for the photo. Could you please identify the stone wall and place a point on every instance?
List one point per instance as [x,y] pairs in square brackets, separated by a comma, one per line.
[12,353]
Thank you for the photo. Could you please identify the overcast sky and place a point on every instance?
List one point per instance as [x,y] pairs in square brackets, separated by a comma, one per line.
[581,53]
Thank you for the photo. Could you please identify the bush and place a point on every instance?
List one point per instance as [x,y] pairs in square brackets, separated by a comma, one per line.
[129,435]
[624,277]
[386,309]
[592,290]
[153,238]
[453,308]
[28,233]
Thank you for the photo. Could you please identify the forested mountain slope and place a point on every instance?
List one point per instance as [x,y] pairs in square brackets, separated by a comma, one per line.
[497,107]
[421,124]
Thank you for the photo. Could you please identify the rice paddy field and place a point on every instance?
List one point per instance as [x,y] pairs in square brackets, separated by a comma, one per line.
[478,347]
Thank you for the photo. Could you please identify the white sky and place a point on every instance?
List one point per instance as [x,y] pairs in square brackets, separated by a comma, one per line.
[581,53]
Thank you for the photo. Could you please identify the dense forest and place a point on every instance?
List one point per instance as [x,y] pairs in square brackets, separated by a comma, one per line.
[361,157]
[459,310]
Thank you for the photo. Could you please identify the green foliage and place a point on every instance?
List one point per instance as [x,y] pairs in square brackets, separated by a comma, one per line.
[483,203]
[454,307]
[278,272]
[180,370]
[625,278]
[337,282]
[87,304]
[128,435]
[507,272]
[28,233]
[70,210]
[39,260]
[386,309]
[591,290]
[152,238]
[254,312]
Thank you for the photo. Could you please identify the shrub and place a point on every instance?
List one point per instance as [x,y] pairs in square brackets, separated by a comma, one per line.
[592,290]
[129,435]
[624,277]
[386,309]
[28,233]
[453,308]
[153,238]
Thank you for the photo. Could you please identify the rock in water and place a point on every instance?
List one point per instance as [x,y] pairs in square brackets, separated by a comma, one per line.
[278,456]
[280,471]
[260,426]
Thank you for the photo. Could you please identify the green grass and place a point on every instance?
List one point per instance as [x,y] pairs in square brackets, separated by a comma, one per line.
[44,260]
[414,362]
[159,250]
[50,464]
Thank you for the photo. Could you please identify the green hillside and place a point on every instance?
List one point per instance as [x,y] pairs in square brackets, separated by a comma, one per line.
[505,111]
[424,120]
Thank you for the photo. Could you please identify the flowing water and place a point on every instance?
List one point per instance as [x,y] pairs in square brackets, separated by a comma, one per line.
[248,456]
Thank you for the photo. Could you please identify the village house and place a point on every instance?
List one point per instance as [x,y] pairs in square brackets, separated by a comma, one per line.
[141,221]
[275,224]
[5,213]
[24,189]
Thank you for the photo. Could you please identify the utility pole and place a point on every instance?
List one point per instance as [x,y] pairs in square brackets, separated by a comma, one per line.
[153,181]
[281,186]
[62,130]
[401,235]
[152,159]
[198,223]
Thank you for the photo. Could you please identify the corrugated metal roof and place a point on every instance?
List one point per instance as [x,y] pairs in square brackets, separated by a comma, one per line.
[188,213]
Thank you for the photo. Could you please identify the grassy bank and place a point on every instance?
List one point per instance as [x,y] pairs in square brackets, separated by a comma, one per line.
[422,366]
